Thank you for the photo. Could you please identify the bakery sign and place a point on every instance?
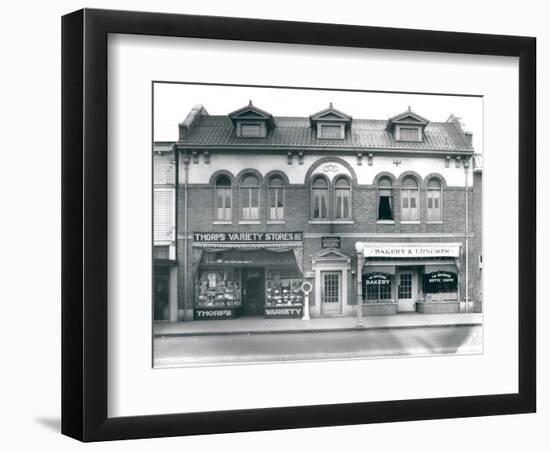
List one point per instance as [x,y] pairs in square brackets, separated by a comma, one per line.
[246,237]
[377,279]
[410,251]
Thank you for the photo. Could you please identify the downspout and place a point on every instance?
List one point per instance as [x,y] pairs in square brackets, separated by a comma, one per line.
[185,231]
[466,254]
[176,185]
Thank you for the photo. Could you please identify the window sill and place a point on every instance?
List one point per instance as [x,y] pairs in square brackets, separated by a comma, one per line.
[249,222]
[275,222]
[435,222]
[343,222]
[389,222]
[410,222]
[320,222]
[222,222]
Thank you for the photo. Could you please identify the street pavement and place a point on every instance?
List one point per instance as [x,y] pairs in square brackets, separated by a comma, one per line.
[193,350]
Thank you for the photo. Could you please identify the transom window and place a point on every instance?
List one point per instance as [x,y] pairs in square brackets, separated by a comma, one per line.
[250,198]
[385,199]
[434,200]
[409,199]
[223,198]
[342,192]
[276,191]
[319,194]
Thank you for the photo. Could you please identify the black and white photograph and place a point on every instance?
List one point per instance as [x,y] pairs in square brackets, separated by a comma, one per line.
[300,224]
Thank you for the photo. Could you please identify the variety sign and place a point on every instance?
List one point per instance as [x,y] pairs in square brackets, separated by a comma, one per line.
[215,313]
[228,238]
[283,312]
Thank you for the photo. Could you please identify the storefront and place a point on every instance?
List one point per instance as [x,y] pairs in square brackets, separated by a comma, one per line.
[247,274]
[399,278]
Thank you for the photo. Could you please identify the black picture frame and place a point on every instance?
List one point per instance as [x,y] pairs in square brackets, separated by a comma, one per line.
[84,224]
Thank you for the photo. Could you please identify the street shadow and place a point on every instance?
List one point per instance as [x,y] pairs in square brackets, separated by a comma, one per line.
[52,423]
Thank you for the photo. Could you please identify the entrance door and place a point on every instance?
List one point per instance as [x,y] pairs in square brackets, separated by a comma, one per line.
[162,294]
[253,292]
[331,291]
[406,284]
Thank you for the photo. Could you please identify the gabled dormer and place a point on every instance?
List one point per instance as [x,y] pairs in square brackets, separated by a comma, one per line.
[330,123]
[407,126]
[251,122]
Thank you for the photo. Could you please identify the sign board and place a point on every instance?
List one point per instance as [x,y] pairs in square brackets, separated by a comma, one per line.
[215,313]
[330,242]
[246,237]
[377,278]
[410,251]
[436,281]
[283,312]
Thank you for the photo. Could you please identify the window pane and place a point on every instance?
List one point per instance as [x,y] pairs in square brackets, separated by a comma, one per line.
[342,183]
[430,202]
[346,214]
[384,209]
[405,202]
[408,134]
[276,182]
[330,131]
[324,204]
[434,184]
[249,181]
[251,130]
[320,183]
[384,183]
[223,181]
[410,183]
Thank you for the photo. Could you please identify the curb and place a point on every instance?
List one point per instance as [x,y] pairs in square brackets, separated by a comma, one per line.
[312,330]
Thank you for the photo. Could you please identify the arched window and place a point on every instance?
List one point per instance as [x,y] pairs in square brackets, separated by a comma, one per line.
[342,192]
[276,198]
[409,199]
[434,199]
[223,198]
[319,199]
[385,199]
[250,198]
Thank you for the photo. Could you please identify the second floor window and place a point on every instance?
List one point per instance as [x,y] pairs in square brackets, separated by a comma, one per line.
[385,199]
[319,199]
[434,199]
[250,198]
[342,192]
[223,198]
[275,194]
[409,199]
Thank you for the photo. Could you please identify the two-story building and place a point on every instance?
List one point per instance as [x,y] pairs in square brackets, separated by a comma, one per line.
[382,213]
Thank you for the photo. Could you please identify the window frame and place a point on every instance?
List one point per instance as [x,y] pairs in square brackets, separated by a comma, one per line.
[250,197]
[391,197]
[418,130]
[408,190]
[227,190]
[313,189]
[282,190]
[348,189]
[320,127]
[432,190]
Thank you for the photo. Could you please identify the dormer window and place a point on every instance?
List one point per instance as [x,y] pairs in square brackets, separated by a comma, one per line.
[411,134]
[326,131]
[407,126]
[330,123]
[251,130]
[251,122]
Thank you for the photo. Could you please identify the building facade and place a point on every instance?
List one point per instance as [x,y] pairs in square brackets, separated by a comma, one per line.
[380,213]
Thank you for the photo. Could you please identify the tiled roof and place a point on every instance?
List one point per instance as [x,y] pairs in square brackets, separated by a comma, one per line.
[163,146]
[296,131]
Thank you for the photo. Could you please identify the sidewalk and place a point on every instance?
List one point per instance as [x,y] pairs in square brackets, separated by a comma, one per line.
[259,325]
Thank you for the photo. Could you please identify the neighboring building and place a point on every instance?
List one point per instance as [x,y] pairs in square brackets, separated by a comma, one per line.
[387,211]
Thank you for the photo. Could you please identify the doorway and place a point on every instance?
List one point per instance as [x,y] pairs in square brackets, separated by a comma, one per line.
[406,291]
[331,293]
[253,291]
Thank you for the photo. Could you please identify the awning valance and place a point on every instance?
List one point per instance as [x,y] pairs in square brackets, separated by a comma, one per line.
[384,269]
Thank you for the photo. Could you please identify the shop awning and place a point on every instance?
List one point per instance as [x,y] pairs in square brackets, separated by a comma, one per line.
[408,250]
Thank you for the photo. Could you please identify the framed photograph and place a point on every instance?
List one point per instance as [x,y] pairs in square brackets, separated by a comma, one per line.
[274,225]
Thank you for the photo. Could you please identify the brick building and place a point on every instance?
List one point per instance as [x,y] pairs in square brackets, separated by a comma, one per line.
[248,206]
